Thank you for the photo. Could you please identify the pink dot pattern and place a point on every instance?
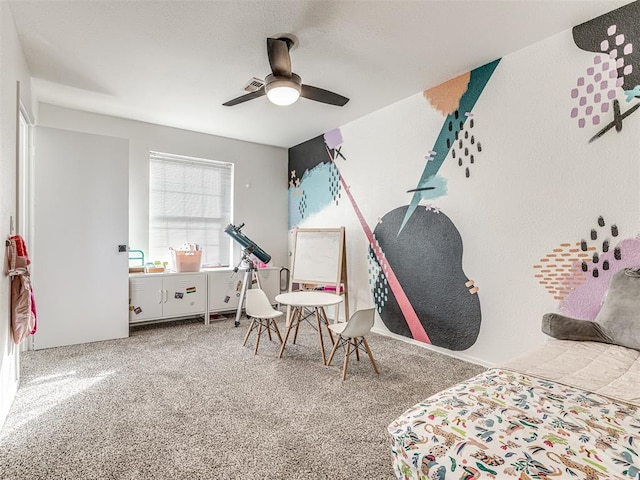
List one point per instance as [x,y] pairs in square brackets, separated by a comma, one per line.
[602,80]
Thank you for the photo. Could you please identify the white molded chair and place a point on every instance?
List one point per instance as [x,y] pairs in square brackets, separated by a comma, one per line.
[262,314]
[352,334]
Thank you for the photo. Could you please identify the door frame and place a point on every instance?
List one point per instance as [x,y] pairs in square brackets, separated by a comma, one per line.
[23,223]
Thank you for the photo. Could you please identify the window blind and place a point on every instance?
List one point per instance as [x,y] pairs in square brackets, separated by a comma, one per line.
[190,200]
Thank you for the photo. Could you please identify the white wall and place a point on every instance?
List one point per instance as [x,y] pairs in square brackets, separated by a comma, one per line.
[262,205]
[13,68]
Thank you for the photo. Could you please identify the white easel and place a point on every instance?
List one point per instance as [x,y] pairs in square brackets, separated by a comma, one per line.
[319,258]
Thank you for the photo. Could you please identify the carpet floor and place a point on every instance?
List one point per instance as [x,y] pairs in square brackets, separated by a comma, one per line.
[183,400]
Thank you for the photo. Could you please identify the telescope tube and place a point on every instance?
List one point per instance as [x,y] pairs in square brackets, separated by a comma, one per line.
[251,247]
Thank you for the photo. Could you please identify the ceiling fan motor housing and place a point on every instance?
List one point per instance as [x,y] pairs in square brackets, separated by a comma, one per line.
[275,81]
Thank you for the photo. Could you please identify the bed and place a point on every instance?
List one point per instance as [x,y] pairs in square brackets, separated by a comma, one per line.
[568,409]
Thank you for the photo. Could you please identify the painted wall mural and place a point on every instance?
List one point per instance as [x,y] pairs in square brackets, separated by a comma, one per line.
[452,195]
[426,256]
[415,254]
[463,100]
[578,273]
[615,38]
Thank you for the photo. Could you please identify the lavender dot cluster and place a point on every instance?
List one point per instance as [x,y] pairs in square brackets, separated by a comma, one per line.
[598,87]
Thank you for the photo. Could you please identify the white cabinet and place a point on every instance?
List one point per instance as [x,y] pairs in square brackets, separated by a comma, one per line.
[160,296]
[165,295]
[225,287]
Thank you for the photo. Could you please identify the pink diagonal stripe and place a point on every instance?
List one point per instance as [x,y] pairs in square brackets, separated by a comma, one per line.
[410,316]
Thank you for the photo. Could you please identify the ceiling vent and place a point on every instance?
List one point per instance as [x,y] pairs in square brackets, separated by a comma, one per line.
[254,85]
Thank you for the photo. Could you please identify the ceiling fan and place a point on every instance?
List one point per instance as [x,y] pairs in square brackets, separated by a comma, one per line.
[282,86]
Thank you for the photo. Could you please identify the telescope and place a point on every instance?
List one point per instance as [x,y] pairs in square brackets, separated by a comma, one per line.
[250,251]
[250,247]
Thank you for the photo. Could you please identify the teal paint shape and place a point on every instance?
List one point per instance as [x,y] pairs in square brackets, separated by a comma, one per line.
[479,79]
[315,195]
[437,187]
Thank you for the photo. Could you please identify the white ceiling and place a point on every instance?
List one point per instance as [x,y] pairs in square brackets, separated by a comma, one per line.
[175,62]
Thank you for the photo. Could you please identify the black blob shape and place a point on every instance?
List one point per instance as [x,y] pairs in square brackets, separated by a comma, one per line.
[456,114]
[473,140]
[466,152]
[583,245]
[307,155]
[605,265]
[584,267]
[479,147]
[460,162]
[596,259]
[590,34]
[453,153]
[594,235]
[471,123]
[460,144]
[595,272]
[605,246]
[466,135]
[466,172]
[614,230]
[426,257]
[617,254]
[461,125]
[472,159]
[601,221]
[448,143]
[457,135]
[450,126]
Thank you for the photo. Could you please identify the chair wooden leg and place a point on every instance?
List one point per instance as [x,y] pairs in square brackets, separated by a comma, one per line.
[275,328]
[373,362]
[268,320]
[255,352]
[346,360]
[333,350]
[246,337]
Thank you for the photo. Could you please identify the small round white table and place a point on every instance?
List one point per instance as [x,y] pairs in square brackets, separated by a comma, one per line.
[312,300]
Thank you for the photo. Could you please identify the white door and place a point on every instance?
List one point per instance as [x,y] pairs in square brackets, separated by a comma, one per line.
[81,222]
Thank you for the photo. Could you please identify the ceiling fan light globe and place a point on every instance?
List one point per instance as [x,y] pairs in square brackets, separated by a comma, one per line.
[283,95]
[283,90]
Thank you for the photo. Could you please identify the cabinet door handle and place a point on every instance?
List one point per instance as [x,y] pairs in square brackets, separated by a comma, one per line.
[166,296]
[161,295]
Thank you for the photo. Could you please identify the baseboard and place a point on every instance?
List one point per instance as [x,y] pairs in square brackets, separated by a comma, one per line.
[444,351]
[7,400]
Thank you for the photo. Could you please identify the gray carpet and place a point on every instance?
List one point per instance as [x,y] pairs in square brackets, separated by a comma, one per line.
[182,400]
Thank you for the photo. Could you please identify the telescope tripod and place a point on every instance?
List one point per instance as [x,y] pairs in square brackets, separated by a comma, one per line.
[250,272]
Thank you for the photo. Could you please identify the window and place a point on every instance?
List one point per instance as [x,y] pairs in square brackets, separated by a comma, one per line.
[190,200]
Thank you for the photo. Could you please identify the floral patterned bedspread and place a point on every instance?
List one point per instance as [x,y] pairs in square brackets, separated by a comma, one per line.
[501,424]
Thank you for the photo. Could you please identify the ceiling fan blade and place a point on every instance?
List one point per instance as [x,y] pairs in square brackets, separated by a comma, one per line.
[243,98]
[279,59]
[323,96]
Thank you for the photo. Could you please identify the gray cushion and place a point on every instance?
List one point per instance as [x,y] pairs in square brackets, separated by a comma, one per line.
[618,322]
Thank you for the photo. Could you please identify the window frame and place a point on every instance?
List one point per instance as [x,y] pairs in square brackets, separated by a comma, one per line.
[156,252]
